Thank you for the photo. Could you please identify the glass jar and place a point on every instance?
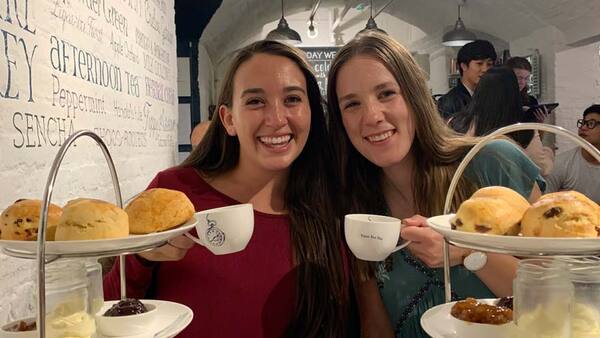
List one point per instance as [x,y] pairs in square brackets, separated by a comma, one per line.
[67,307]
[585,276]
[95,288]
[543,298]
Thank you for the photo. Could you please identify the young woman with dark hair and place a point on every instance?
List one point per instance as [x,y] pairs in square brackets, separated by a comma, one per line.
[497,103]
[268,146]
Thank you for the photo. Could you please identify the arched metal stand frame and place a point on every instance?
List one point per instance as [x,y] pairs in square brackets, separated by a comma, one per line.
[41,241]
[463,165]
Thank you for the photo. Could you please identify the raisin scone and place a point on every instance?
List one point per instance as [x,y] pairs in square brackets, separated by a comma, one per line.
[20,221]
[562,214]
[517,202]
[487,215]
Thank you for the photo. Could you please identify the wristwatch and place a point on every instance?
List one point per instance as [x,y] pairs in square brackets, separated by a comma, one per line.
[475,260]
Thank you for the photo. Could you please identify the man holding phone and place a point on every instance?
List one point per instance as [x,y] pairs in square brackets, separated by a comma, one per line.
[536,112]
[576,169]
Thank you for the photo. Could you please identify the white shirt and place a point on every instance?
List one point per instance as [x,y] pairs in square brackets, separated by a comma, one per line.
[541,155]
[572,172]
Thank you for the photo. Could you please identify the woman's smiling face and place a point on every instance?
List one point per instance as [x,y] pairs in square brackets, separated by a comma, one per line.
[376,117]
[270,112]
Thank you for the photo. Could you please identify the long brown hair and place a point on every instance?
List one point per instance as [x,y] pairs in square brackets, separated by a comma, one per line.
[436,148]
[322,289]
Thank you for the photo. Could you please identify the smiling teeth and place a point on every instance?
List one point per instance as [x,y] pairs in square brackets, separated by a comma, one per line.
[380,137]
[275,140]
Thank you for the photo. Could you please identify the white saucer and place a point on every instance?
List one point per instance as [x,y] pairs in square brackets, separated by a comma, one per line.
[99,246]
[168,313]
[517,245]
[437,322]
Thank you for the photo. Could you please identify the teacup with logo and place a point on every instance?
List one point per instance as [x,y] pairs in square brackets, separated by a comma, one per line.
[372,237]
[225,230]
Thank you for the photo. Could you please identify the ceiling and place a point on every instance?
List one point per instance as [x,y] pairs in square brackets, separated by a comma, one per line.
[223,24]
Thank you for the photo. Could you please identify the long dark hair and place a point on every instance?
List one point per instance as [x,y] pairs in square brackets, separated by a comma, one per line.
[322,289]
[436,148]
[496,103]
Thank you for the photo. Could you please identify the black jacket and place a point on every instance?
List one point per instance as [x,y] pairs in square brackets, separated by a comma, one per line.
[454,101]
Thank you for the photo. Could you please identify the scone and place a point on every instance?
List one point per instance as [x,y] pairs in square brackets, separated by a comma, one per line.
[513,198]
[562,214]
[20,221]
[573,194]
[85,219]
[158,209]
[486,215]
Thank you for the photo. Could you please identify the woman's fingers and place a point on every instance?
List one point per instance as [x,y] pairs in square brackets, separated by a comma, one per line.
[175,249]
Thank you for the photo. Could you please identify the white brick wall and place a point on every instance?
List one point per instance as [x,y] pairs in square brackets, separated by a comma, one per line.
[577,86]
[16,289]
[53,49]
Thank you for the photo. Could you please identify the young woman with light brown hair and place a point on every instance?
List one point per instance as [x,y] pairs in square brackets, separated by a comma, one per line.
[396,156]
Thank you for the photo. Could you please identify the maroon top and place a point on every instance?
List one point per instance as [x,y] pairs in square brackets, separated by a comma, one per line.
[250,293]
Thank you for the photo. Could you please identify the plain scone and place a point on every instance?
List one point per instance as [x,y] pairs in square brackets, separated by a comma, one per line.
[20,221]
[158,209]
[562,214]
[86,219]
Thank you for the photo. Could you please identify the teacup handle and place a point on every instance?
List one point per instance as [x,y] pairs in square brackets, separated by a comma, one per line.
[195,239]
[401,246]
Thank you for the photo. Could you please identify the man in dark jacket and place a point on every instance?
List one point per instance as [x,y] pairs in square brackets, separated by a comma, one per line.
[474,59]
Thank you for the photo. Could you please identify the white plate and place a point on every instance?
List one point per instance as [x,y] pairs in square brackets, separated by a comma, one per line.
[168,313]
[517,245]
[439,323]
[125,244]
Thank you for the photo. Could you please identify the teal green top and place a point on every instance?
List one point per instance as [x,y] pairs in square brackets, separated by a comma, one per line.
[409,288]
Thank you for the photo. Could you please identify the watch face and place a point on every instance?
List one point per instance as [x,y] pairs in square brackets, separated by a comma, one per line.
[475,261]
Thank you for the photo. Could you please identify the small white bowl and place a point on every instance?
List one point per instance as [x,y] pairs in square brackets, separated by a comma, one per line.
[130,325]
[21,334]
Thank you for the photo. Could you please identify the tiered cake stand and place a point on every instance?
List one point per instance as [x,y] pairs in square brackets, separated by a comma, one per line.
[517,246]
[100,248]
[510,245]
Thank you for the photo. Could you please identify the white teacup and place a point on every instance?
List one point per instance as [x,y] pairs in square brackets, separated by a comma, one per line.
[372,237]
[225,230]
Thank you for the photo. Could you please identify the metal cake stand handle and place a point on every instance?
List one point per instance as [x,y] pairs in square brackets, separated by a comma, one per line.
[463,165]
[41,241]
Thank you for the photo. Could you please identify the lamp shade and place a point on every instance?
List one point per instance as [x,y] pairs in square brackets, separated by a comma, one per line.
[284,33]
[459,36]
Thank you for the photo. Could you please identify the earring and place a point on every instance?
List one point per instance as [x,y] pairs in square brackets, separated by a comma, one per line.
[231,131]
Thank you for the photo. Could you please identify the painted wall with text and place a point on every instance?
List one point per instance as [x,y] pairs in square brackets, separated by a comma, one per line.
[104,65]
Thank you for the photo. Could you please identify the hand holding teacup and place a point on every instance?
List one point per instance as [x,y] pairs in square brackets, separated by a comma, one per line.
[221,230]
[427,244]
[372,237]
[175,249]
[224,230]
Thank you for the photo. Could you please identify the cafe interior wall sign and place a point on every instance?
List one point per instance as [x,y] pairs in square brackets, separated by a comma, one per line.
[104,65]
[107,66]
